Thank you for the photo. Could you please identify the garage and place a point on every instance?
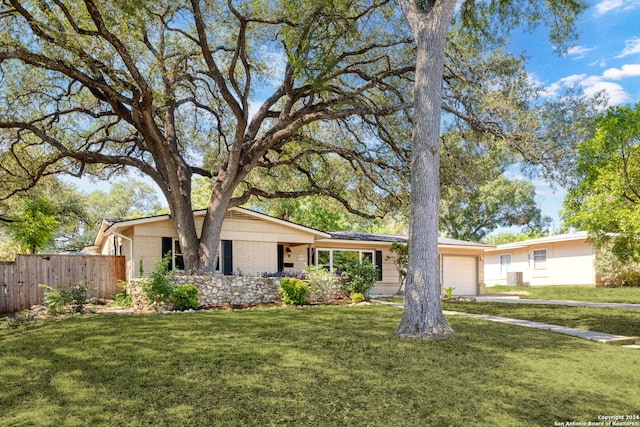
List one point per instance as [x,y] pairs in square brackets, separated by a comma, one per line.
[461,273]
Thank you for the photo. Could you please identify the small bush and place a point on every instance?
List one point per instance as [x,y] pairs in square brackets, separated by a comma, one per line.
[79,297]
[185,297]
[158,287]
[358,277]
[122,300]
[319,279]
[356,297]
[448,292]
[293,291]
[614,272]
[56,300]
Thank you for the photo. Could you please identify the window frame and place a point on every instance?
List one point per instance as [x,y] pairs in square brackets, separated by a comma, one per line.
[176,252]
[506,266]
[536,263]
[331,250]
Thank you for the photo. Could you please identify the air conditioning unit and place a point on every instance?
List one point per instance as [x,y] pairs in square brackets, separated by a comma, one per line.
[514,278]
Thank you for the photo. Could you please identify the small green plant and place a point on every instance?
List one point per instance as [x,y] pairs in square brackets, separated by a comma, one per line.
[158,287]
[141,268]
[122,299]
[185,297]
[55,299]
[293,291]
[356,297]
[448,292]
[79,297]
[359,277]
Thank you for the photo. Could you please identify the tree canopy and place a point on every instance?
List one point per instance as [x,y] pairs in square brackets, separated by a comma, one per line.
[264,99]
[605,200]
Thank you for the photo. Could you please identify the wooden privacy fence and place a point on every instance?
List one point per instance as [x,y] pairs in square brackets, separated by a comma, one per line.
[20,279]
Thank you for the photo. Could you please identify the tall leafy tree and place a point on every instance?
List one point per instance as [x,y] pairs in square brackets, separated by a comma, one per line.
[169,88]
[429,21]
[605,200]
[36,224]
[498,203]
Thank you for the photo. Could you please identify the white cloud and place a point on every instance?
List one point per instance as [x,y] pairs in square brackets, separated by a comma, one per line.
[592,84]
[607,6]
[579,52]
[627,70]
[631,47]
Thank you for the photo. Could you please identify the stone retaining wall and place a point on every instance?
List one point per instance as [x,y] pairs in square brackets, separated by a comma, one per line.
[233,290]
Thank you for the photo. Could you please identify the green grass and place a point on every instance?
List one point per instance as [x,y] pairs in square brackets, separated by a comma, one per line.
[572,293]
[311,366]
[608,320]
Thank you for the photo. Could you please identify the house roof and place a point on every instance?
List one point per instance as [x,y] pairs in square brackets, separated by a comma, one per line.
[567,237]
[110,226]
[369,237]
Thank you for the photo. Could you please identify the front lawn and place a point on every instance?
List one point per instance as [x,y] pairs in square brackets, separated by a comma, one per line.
[323,365]
[571,293]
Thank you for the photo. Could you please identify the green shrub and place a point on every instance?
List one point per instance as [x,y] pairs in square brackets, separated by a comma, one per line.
[358,277]
[185,297]
[614,272]
[79,297]
[158,288]
[56,300]
[293,291]
[319,279]
[122,300]
[448,292]
[356,297]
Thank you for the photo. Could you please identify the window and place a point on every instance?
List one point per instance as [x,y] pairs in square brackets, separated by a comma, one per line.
[337,259]
[540,259]
[505,265]
[177,260]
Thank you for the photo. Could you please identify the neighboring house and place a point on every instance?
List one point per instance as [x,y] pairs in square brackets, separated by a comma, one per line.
[563,259]
[253,243]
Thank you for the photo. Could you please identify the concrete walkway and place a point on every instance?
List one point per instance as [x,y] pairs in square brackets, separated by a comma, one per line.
[600,337]
[516,300]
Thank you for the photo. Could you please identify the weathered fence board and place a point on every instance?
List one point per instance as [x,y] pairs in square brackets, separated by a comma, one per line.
[20,279]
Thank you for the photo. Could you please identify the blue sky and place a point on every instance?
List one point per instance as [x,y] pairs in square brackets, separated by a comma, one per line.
[605,57]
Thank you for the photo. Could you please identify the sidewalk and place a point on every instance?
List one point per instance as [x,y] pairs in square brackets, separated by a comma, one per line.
[600,337]
[516,300]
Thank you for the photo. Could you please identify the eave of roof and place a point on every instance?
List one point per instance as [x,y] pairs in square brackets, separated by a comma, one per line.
[355,236]
[115,224]
[568,237]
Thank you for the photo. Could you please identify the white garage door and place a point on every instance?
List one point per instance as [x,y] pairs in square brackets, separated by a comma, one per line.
[460,273]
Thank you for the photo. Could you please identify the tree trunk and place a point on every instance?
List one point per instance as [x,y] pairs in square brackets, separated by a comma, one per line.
[423,316]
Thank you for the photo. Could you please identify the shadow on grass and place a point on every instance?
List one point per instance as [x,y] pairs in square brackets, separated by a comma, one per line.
[304,366]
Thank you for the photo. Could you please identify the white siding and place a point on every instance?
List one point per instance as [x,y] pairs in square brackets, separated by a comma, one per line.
[568,263]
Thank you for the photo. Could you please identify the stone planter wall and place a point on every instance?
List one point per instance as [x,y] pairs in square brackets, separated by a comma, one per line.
[232,290]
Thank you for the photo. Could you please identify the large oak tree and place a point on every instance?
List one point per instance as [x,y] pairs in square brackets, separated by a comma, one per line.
[228,91]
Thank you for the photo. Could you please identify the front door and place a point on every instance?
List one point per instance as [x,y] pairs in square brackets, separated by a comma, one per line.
[280,257]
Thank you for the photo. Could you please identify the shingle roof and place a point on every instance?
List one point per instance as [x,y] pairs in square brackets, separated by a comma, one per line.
[370,237]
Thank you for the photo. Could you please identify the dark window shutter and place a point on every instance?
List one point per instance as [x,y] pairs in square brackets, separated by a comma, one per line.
[167,245]
[379,264]
[227,257]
